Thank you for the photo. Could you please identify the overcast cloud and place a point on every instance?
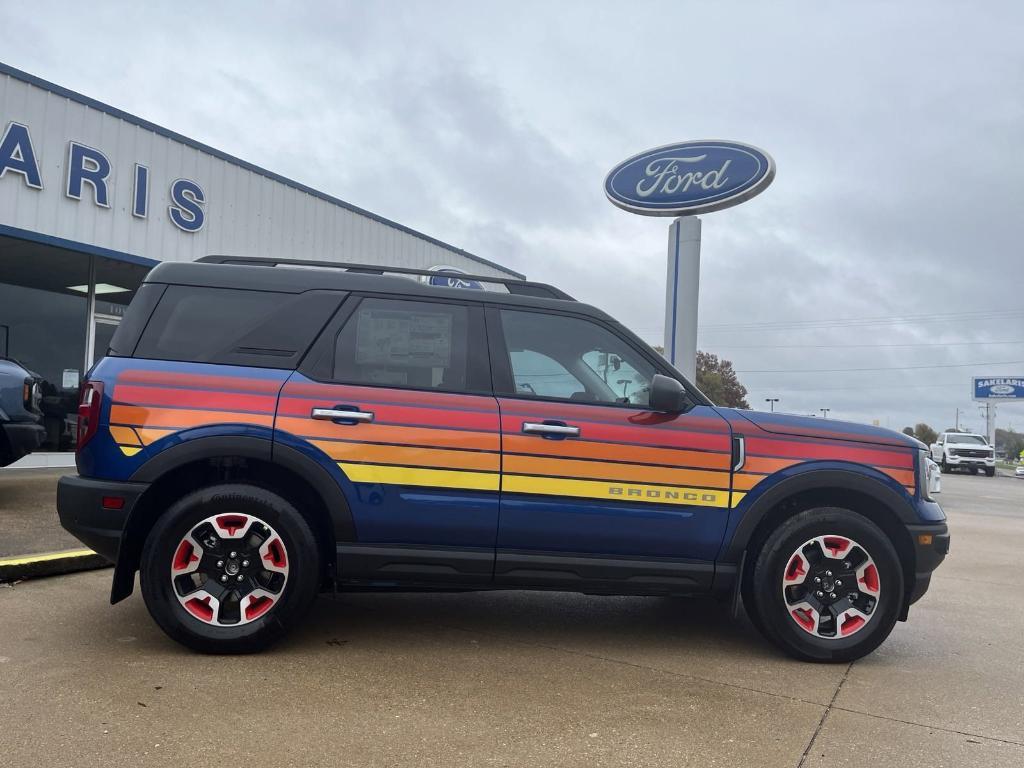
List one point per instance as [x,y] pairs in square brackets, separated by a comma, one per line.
[897,129]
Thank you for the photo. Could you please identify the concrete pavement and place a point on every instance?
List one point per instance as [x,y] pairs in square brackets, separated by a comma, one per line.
[528,679]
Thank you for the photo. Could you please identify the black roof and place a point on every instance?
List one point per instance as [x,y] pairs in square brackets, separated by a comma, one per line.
[291,276]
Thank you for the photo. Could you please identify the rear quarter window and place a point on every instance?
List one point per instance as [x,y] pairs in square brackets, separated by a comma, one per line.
[265,329]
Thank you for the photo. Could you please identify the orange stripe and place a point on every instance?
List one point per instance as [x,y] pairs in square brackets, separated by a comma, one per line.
[632,473]
[384,433]
[767,466]
[124,436]
[182,418]
[568,449]
[410,457]
[152,435]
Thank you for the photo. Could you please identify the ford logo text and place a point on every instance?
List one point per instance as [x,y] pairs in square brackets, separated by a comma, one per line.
[689,178]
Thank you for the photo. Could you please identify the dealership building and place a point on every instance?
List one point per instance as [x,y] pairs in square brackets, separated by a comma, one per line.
[92,197]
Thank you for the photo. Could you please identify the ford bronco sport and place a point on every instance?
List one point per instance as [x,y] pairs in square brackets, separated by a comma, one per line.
[261,430]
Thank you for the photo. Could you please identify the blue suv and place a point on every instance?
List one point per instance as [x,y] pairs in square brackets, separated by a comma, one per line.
[262,430]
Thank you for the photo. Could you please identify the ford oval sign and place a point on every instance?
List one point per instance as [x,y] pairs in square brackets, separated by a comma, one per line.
[450,277]
[689,178]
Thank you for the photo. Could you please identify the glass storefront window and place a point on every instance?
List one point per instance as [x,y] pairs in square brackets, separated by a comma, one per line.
[44,316]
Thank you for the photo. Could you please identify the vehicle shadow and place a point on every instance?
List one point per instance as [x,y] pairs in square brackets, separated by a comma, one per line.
[563,620]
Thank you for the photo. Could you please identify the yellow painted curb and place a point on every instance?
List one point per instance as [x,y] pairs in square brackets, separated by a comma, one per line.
[29,559]
[22,567]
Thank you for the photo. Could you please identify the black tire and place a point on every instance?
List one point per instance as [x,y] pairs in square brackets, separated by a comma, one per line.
[773,615]
[990,471]
[297,594]
[944,466]
[973,470]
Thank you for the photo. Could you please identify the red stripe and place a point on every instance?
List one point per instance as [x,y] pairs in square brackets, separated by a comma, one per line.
[639,416]
[199,381]
[822,450]
[673,438]
[193,398]
[339,393]
[385,413]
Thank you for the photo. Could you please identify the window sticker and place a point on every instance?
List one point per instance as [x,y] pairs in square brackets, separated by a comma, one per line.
[415,339]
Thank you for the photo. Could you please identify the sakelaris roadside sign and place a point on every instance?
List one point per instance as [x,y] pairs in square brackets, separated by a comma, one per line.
[689,178]
[998,388]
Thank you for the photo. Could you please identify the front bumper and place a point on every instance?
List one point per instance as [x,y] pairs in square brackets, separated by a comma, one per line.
[970,461]
[95,511]
[931,545]
[23,437]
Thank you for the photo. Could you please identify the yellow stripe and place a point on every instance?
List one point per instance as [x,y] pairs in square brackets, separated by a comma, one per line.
[6,561]
[737,497]
[129,450]
[436,478]
[614,491]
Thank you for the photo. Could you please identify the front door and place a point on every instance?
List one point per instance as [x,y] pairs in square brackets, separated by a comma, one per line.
[397,402]
[595,486]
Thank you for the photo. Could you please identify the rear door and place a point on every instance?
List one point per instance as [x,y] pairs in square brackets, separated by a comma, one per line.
[395,400]
[596,487]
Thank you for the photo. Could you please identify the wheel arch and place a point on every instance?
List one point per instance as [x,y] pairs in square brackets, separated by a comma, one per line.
[859,492]
[254,460]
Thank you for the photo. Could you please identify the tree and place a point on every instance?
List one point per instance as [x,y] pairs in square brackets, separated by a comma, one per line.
[717,379]
[908,431]
[1009,441]
[925,434]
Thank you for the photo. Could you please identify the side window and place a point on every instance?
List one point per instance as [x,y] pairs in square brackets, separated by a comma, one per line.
[234,327]
[418,344]
[573,359]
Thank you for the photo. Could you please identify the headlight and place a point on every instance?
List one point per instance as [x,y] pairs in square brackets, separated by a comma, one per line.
[929,477]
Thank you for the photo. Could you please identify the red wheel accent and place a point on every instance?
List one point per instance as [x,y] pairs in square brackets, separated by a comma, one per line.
[236,574]
[257,607]
[275,554]
[831,586]
[870,578]
[185,556]
[200,608]
[795,569]
[232,523]
[850,624]
[835,544]
[805,618]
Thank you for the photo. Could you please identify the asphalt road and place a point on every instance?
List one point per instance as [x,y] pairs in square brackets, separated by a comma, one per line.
[28,512]
[520,679]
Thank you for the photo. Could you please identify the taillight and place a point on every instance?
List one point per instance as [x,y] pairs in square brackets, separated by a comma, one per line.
[89,411]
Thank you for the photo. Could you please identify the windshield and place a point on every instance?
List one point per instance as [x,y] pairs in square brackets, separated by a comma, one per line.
[973,439]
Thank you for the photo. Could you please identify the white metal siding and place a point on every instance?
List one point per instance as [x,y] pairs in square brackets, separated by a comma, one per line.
[247,213]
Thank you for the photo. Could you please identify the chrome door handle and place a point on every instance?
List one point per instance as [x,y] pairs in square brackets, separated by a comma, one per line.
[333,414]
[562,430]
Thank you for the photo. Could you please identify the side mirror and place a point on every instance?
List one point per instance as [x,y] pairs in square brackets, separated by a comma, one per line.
[667,394]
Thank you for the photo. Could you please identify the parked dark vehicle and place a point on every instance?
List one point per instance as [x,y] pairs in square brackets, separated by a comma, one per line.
[263,430]
[21,422]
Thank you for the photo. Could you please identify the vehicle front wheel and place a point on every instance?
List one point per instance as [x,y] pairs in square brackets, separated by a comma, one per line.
[229,569]
[990,471]
[827,586]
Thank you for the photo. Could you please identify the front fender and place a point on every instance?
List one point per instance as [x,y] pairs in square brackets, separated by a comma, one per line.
[812,476]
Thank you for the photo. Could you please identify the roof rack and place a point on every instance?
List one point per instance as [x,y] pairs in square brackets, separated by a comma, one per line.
[512,285]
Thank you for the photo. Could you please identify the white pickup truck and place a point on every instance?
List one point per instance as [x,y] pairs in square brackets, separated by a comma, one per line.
[961,449]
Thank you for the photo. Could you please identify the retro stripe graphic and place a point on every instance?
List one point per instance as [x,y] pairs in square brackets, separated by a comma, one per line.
[454,441]
[151,404]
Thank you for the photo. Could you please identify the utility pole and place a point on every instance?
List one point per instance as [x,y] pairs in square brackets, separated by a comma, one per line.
[771,402]
[824,412]
[956,423]
[990,421]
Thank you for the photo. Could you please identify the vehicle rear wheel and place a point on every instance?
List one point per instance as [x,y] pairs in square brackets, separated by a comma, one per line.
[827,586]
[229,569]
